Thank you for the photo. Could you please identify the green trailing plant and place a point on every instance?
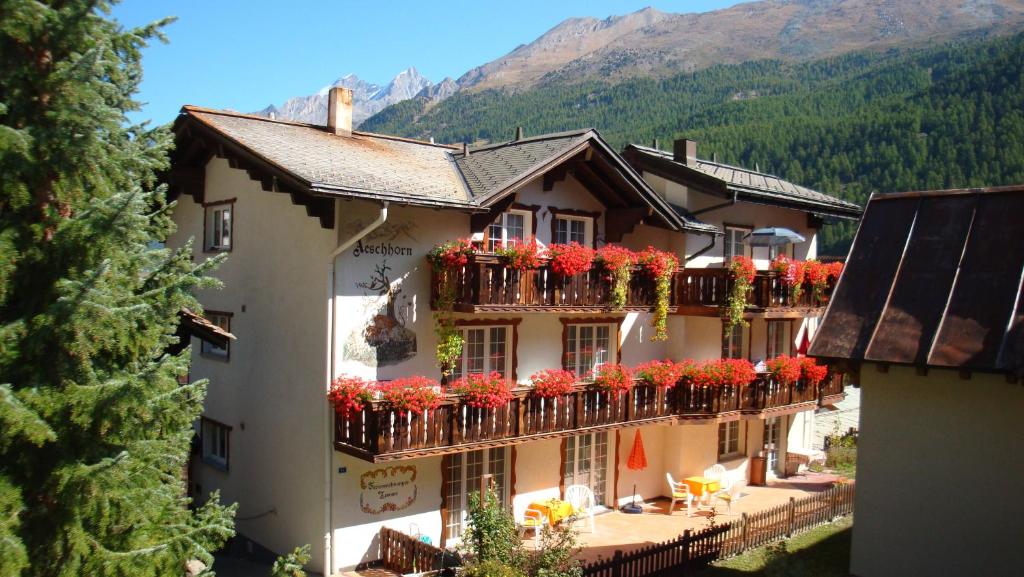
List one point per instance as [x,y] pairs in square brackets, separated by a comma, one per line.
[659,266]
[446,259]
[741,272]
[292,564]
[617,262]
[95,427]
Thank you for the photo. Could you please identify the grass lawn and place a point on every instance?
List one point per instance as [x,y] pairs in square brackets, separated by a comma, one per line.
[820,552]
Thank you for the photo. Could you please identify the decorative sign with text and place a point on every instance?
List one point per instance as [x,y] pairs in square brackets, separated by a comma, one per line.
[387,489]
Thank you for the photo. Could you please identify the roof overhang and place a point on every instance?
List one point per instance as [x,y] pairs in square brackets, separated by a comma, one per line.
[707,184]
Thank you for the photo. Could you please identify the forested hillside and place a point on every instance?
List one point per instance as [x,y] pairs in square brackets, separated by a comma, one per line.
[947,116]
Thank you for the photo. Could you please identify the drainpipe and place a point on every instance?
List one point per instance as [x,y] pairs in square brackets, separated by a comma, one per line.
[382,216]
[710,246]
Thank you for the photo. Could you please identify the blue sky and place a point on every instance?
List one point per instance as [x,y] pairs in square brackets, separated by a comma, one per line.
[245,55]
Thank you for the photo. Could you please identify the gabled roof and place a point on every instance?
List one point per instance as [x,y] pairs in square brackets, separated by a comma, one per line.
[192,324]
[361,164]
[749,185]
[933,279]
[314,165]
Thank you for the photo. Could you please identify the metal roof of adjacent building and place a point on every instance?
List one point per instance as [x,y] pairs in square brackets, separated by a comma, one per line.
[749,183]
[933,279]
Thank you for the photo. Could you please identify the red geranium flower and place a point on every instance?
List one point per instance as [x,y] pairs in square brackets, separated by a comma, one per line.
[570,259]
[411,394]
[451,255]
[520,255]
[349,394]
[484,391]
[657,263]
[811,372]
[658,373]
[742,267]
[613,257]
[551,383]
[612,378]
[784,369]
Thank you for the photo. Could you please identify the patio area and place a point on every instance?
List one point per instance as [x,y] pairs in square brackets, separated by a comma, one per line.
[617,530]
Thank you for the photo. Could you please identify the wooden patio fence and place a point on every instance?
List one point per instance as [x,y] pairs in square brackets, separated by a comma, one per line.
[692,551]
[405,554]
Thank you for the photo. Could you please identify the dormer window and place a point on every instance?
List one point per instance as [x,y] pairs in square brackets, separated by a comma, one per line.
[509,228]
[217,235]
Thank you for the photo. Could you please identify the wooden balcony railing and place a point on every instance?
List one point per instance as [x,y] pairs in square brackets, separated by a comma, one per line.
[379,433]
[703,290]
[486,284]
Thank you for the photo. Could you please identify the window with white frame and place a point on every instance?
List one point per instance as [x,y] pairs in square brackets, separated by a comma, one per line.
[734,342]
[484,349]
[510,228]
[572,229]
[728,439]
[222,320]
[785,250]
[586,463]
[464,473]
[215,438]
[779,339]
[733,245]
[218,226]
[587,346]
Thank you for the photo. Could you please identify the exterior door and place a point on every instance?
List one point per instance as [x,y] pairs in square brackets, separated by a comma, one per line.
[772,430]
[586,463]
[464,474]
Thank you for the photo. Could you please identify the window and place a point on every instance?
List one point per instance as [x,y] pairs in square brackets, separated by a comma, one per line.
[733,244]
[728,439]
[484,349]
[587,347]
[772,434]
[572,229]
[586,463]
[222,320]
[509,228]
[774,251]
[217,233]
[734,342]
[463,474]
[778,341]
[215,442]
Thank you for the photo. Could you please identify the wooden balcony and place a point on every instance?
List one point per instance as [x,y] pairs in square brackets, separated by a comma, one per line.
[380,434]
[703,291]
[485,284]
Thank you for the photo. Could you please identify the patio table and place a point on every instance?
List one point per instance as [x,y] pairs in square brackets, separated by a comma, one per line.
[554,509]
[702,487]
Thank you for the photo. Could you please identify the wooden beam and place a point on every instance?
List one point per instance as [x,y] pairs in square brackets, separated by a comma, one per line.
[586,174]
[554,175]
[190,180]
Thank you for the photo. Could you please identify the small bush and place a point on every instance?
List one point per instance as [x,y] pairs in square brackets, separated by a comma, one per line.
[291,565]
[491,568]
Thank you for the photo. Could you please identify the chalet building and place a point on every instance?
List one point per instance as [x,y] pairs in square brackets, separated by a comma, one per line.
[327,231]
[929,310]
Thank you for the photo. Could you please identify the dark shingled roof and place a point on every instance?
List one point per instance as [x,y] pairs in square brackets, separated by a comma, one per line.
[490,169]
[320,163]
[749,184]
[933,279]
[359,163]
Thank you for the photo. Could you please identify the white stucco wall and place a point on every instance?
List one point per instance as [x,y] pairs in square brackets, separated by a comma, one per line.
[271,390]
[939,475]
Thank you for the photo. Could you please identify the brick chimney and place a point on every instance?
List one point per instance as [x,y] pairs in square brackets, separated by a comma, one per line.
[339,111]
[685,150]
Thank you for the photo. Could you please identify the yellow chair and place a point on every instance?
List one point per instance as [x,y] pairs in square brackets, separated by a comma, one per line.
[680,492]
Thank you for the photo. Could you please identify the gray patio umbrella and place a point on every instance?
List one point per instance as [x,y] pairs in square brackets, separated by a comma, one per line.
[772,236]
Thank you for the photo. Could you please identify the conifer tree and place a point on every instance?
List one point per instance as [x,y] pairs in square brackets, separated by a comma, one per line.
[94,427]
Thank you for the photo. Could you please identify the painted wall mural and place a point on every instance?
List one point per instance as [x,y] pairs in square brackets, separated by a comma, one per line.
[385,339]
[388,489]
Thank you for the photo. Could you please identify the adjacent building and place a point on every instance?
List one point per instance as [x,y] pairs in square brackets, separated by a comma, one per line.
[327,231]
[929,312]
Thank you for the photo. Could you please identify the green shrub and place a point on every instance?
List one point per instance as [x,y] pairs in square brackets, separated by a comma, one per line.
[491,568]
[291,565]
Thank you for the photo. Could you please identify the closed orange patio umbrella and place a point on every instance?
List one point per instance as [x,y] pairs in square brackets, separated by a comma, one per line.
[637,458]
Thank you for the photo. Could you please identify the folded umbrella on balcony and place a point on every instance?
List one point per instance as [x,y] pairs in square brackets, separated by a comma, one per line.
[772,236]
[637,461]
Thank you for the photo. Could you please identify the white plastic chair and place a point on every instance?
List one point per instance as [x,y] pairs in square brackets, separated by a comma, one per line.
[731,495]
[535,520]
[680,492]
[583,503]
